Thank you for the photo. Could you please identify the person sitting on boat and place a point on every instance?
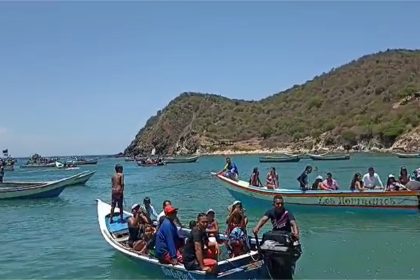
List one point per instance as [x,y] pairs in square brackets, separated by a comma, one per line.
[329,183]
[281,219]
[357,183]
[371,180]
[392,184]
[212,229]
[272,179]
[136,227]
[254,180]
[404,177]
[230,170]
[303,178]
[150,210]
[161,215]
[168,241]
[318,185]
[197,255]
[148,239]
[236,230]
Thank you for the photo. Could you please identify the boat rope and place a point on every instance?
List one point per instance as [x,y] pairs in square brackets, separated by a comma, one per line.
[174,185]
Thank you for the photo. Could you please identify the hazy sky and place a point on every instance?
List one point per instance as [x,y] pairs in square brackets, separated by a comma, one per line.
[83,77]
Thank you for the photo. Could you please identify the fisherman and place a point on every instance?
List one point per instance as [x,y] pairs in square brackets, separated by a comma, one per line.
[196,252]
[303,178]
[117,192]
[371,180]
[230,170]
[281,219]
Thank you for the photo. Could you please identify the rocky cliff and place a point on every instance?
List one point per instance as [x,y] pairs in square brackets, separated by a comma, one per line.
[372,102]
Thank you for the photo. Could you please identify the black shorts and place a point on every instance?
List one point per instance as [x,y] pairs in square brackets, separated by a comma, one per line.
[192,265]
[117,201]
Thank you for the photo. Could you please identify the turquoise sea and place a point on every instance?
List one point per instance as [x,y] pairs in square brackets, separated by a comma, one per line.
[59,238]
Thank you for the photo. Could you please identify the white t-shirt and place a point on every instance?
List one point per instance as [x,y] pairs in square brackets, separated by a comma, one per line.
[373,181]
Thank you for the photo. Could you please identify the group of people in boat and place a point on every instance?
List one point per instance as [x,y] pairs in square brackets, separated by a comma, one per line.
[164,237]
[368,181]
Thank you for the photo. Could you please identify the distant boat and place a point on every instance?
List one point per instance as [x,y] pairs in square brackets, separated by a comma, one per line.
[294,158]
[408,155]
[146,164]
[181,159]
[29,190]
[329,157]
[82,161]
[39,165]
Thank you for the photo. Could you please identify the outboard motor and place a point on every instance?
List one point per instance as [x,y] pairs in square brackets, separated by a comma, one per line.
[280,254]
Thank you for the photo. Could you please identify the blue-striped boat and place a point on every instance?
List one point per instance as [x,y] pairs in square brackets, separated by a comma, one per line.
[29,190]
[247,266]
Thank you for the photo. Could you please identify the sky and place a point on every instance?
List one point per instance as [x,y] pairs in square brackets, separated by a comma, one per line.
[83,77]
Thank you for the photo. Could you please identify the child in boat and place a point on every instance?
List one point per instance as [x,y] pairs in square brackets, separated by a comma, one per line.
[272,179]
[392,184]
[254,180]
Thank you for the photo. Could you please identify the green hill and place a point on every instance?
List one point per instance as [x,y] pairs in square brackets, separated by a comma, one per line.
[374,100]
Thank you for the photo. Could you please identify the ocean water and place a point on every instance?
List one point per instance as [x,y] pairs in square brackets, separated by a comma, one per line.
[59,238]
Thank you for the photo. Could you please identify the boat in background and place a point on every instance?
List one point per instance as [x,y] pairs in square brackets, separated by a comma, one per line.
[169,160]
[146,164]
[251,265]
[29,190]
[8,161]
[286,158]
[81,161]
[408,155]
[372,199]
[329,157]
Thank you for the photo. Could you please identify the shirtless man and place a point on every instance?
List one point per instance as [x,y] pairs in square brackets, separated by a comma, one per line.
[117,191]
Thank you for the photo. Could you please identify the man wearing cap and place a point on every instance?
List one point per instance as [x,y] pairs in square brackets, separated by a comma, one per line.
[161,215]
[149,209]
[371,180]
[168,241]
[117,192]
[281,219]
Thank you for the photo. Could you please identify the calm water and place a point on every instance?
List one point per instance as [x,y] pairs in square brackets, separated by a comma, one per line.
[59,238]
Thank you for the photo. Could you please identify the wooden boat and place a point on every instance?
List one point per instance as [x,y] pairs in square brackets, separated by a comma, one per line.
[372,199]
[408,155]
[169,160]
[246,266]
[145,164]
[21,190]
[82,161]
[329,157]
[39,165]
[280,159]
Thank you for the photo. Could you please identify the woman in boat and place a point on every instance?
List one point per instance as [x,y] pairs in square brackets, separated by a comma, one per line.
[404,177]
[318,185]
[357,183]
[272,179]
[254,180]
[236,230]
[392,184]
[136,226]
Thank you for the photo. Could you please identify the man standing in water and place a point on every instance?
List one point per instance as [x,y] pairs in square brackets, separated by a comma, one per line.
[117,191]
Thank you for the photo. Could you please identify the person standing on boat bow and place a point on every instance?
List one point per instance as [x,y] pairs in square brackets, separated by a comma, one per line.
[281,219]
[117,196]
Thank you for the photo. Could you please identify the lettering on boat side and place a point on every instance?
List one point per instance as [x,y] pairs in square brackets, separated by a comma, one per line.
[358,201]
[176,274]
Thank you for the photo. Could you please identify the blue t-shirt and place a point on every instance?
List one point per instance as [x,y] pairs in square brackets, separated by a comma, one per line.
[167,239]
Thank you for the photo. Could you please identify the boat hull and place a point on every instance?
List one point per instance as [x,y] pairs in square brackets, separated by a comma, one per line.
[329,157]
[279,159]
[29,190]
[181,160]
[402,200]
[401,155]
[242,267]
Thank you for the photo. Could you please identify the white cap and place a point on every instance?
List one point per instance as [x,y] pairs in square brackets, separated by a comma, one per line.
[210,210]
[391,176]
[233,204]
[319,177]
[134,206]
